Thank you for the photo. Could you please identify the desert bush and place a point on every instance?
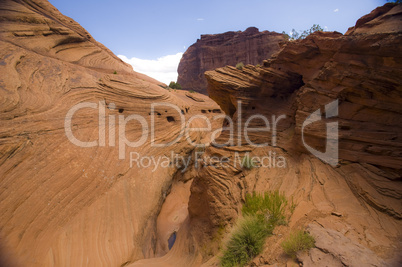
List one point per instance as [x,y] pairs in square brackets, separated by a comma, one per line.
[239,66]
[269,207]
[245,243]
[298,241]
[174,85]
[262,213]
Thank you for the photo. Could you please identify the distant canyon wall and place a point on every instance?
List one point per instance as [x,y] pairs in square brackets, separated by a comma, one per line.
[218,50]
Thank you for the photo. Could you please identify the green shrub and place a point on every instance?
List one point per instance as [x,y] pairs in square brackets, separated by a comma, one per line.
[192,91]
[247,162]
[298,241]
[262,213]
[245,243]
[269,207]
[174,85]
[239,66]
[115,72]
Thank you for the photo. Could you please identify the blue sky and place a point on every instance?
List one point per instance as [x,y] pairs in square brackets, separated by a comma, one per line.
[155,33]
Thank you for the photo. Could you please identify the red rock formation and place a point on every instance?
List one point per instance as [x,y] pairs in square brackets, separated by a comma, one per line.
[354,209]
[218,50]
[62,204]
[65,205]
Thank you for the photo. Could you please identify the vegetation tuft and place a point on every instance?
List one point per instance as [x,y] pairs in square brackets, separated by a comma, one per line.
[174,85]
[269,207]
[239,66]
[298,241]
[262,213]
[297,35]
[245,243]
[247,162]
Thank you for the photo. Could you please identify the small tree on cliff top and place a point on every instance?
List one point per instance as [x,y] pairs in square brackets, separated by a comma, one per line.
[297,35]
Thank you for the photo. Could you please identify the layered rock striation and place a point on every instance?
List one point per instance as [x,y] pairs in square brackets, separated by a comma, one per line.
[79,128]
[352,208]
[218,50]
[73,191]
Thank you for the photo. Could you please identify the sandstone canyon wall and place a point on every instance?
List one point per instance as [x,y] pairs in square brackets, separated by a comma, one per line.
[354,210]
[62,204]
[66,205]
[218,50]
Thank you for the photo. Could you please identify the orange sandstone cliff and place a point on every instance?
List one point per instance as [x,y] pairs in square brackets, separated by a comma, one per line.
[218,50]
[92,204]
[354,209]
[66,205]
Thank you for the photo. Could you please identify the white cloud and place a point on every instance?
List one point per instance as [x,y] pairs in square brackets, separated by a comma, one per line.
[163,69]
[336,10]
[325,28]
[200,19]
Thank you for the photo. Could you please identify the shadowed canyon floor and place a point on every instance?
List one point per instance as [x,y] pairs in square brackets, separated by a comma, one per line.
[95,205]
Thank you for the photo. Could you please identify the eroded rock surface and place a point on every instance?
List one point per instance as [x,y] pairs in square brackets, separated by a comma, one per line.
[359,199]
[62,204]
[66,205]
[334,249]
[218,50]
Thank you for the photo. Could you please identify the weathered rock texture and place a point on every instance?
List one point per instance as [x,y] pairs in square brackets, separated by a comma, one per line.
[218,50]
[354,209]
[65,205]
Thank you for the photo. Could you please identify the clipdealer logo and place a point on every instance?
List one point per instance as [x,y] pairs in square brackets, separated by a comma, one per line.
[120,122]
[331,153]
